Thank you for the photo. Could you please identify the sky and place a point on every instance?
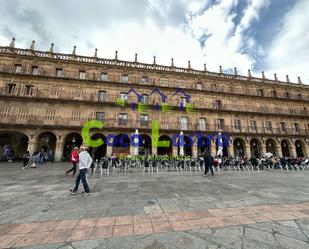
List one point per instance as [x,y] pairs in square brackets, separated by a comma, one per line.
[261,35]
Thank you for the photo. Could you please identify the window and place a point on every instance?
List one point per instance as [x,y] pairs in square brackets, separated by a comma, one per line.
[300,97]
[282,127]
[75,116]
[183,101]
[124,78]
[199,86]
[220,124]
[103,77]
[10,88]
[237,124]
[296,127]
[253,125]
[164,82]
[34,70]
[144,119]
[274,94]
[182,84]
[184,123]
[202,124]
[124,96]
[99,116]
[50,114]
[59,72]
[217,104]
[82,75]
[261,92]
[29,90]
[268,126]
[102,96]
[144,99]
[145,80]
[122,118]
[287,95]
[17,68]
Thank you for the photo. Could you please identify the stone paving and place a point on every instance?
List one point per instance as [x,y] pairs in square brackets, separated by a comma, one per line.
[266,209]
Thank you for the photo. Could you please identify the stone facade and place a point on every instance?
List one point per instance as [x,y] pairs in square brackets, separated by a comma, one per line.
[46,97]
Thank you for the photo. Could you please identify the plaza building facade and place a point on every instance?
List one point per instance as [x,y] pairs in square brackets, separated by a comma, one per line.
[46,97]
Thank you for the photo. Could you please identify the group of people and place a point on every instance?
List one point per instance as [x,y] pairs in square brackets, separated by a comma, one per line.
[37,158]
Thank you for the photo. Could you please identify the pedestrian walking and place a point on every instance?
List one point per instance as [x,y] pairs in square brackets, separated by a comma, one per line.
[85,162]
[74,160]
[208,162]
[26,158]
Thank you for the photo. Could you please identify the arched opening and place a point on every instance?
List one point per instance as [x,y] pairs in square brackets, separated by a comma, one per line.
[226,144]
[13,145]
[121,145]
[144,147]
[165,150]
[238,145]
[255,148]
[72,140]
[285,148]
[299,148]
[187,148]
[271,146]
[98,152]
[203,144]
[47,142]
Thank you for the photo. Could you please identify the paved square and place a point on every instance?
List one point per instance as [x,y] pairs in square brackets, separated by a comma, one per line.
[266,209]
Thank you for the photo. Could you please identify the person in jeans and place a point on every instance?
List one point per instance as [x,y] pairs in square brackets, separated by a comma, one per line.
[85,162]
[74,161]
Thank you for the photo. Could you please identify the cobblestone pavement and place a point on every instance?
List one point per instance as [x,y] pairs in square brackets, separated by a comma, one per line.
[266,209]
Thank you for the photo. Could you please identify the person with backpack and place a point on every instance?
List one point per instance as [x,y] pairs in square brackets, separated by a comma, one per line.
[74,160]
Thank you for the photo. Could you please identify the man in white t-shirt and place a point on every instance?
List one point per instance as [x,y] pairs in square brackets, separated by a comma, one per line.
[85,162]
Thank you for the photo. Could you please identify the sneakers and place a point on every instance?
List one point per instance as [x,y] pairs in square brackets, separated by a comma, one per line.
[73,193]
[86,193]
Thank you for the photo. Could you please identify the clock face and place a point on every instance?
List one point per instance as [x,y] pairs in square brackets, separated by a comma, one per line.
[136,140]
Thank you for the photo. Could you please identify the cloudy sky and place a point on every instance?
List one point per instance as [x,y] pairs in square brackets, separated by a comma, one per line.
[264,35]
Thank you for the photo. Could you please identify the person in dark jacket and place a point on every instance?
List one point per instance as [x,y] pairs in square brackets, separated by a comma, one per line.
[208,162]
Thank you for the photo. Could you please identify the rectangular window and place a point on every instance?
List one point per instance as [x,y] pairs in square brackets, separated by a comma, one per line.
[75,116]
[122,118]
[199,86]
[269,126]
[220,124]
[164,82]
[102,96]
[296,127]
[253,125]
[82,75]
[124,96]
[261,92]
[50,114]
[300,97]
[144,99]
[124,78]
[34,70]
[237,124]
[287,95]
[10,88]
[183,101]
[202,124]
[17,68]
[217,105]
[144,119]
[182,84]
[29,90]
[99,116]
[104,77]
[145,80]
[59,72]
[184,123]
[274,94]
[282,126]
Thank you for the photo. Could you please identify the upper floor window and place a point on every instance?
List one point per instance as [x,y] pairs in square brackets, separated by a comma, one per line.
[217,104]
[296,127]
[202,124]
[82,75]
[182,84]
[29,90]
[144,120]
[124,96]
[99,116]
[164,82]
[220,124]
[124,78]
[260,92]
[199,86]
[102,96]
[59,72]
[145,80]
[34,70]
[287,95]
[183,123]
[103,77]
[274,94]
[237,124]
[300,97]
[10,88]
[144,99]
[253,125]
[268,126]
[75,116]
[50,114]
[122,118]
[17,68]
[283,126]
[183,101]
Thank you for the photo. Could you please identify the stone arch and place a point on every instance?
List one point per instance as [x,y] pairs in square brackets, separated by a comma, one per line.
[271,146]
[46,141]
[145,146]
[13,144]
[165,150]
[121,144]
[203,144]
[286,148]
[255,147]
[300,146]
[239,146]
[71,140]
[98,152]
